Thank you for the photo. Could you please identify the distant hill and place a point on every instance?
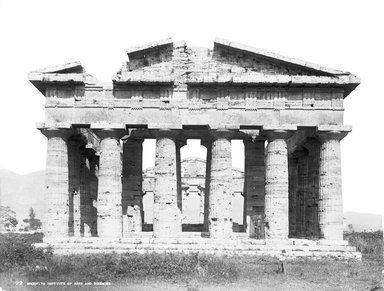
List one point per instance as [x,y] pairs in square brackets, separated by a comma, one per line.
[21,192]
[362,221]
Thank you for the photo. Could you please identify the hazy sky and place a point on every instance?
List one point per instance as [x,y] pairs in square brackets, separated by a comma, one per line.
[345,35]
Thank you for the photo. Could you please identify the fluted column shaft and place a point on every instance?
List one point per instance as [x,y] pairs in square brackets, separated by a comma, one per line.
[85,195]
[132,186]
[220,193]
[276,186]
[179,144]
[167,215]
[109,209]
[74,186]
[254,182]
[293,183]
[312,227]
[302,194]
[330,191]
[208,144]
[56,216]
[93,188]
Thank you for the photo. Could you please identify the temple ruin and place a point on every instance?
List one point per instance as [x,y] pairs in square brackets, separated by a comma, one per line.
[288,113]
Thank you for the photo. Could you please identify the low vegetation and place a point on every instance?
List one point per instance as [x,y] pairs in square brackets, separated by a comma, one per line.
[20,260]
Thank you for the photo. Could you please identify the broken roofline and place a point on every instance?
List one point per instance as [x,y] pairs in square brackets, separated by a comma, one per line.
[75,73]
[238,46]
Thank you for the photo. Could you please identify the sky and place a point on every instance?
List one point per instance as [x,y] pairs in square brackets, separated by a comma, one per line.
[344,35]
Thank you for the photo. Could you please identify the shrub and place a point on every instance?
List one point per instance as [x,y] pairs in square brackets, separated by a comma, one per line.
[16,250]
[370,244]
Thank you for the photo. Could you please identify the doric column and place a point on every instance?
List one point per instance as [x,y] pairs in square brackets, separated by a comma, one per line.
[207,143]
[293,186]
[109,209]
[276,185]
[93,188]
[56,199]
[132,200]
[85,194]
[254,181]
[220,189]
[167,215]
[179,144]
[330,191]
[74,186]
[302,193]
[311,201]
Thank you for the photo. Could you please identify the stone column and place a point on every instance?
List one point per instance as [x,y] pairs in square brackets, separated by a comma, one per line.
[276,186]
[56,198]
[85,195]
[220,189]
[293,186]
[93,188]
[109,209]
[330,191]
[302,193]
[167,215]
[179,144]
[132,200]
[207,143]
[311,201]
[254,182]
[74,186]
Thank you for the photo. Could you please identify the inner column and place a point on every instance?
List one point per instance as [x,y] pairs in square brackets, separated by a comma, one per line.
[132,203]
[254,181]
[207,143]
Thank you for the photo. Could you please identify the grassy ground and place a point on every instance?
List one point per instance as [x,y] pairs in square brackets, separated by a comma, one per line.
[20,263]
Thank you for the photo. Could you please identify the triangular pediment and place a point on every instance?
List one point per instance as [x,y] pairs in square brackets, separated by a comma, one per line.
[175,64]
[228,62]
[267,62]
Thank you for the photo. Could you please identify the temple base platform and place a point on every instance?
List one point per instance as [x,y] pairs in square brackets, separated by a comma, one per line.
[197,243]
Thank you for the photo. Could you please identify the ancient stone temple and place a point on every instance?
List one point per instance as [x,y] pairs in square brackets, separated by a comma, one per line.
[288,113]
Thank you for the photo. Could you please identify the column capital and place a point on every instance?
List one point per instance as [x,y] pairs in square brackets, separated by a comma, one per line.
[331,135]
[110,133]
[50,132]
[273,134]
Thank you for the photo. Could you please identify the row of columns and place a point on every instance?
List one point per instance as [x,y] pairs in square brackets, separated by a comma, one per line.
[167,196]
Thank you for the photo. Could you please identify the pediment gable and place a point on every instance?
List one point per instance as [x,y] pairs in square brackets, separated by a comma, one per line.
[267,62]
[228,62]
[175,64]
